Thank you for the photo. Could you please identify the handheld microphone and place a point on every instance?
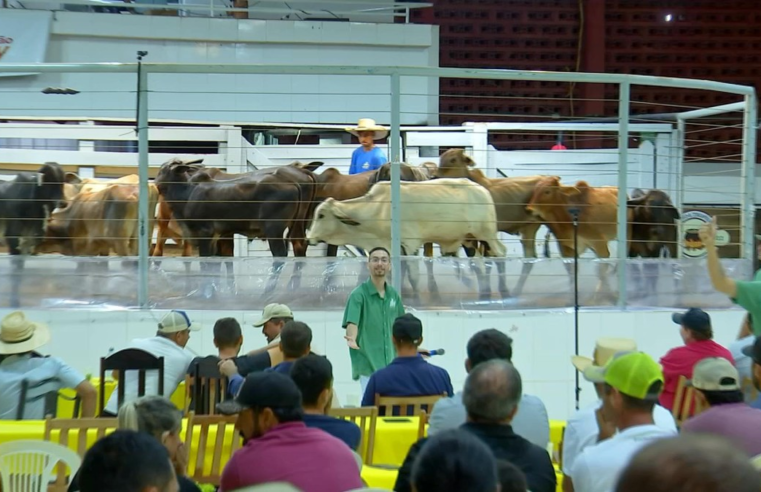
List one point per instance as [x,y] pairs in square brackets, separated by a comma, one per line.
[431,353]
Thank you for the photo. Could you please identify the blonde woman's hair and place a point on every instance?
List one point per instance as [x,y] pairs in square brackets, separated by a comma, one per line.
[152,414]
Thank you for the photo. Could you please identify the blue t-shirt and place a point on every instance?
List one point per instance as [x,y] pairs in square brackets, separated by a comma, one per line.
[341,429]
[362,161]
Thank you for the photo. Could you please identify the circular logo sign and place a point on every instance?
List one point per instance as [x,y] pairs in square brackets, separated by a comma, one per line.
[692,246]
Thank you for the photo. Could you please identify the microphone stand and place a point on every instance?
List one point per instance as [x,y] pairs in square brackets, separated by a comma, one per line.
[575,216]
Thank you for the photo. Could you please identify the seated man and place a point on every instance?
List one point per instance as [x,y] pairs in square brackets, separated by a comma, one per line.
[408,374]
[170,340]
[279,446]
[313,375]
[19,337]
[295,342]
[228,340]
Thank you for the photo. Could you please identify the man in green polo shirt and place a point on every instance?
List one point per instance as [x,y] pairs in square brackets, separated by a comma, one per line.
[369,315]
[746,294]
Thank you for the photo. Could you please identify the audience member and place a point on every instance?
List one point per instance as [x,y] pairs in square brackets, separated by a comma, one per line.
[718,386]
[170,341]
[754,352]
[633,382]
[690,463]
[295,342]
[588,425]
[511,478]
[697,335]
[313,375]
[743,363]
[228,340]
[127,461]
[531,421]
[455,461]
[408,374]
[492,392]
[158,417]
[279,445]
[19,338]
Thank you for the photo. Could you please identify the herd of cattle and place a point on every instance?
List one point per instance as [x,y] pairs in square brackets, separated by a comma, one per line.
[452,204]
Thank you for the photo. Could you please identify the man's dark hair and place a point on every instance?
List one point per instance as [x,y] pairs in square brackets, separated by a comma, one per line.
[690,463]
[703,335]
[284,414]
[125,461]
[378,248]
[638,404]
[227,332]
[295,339]
[489,344]
[492,391]
[511,478]
[312,374]
[723,397]
[454,461]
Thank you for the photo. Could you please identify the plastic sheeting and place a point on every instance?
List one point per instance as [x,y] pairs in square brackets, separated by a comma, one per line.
[324,284]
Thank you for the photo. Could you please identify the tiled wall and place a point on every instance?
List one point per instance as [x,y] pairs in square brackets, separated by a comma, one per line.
[543,341]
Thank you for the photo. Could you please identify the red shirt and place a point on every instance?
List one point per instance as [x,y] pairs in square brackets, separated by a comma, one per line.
[680,361]
[308,458]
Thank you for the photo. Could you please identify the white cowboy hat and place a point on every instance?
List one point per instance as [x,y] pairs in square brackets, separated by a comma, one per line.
[605,349]
[368,125]
[19,335]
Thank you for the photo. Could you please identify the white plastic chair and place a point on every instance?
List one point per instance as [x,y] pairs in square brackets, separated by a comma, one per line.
[29,466]
[358,459]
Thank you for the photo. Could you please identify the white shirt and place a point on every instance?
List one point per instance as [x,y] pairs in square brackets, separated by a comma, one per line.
[597,468]
[176,362]
[743,363]
[15,368]
[581,431]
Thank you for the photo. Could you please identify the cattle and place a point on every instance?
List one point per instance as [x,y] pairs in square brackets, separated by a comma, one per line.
[449,212]
[511,196]
[423,172]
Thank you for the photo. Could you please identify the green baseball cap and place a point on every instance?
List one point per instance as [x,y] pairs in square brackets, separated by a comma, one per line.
[631,373]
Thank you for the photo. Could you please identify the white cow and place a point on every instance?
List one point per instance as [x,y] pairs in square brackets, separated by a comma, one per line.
[449,212]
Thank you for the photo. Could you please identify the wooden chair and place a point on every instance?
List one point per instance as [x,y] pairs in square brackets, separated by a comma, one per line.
[421,426]
[82,426]
[685,403]
[413,404]
[201,424]
[32,392]
[366,419]
[129,360]
[205,387]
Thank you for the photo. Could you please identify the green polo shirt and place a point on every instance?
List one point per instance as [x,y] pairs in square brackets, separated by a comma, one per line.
[749,298]
[374,316]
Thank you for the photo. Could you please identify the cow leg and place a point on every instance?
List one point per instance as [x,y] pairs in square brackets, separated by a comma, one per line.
[433,287]
[330,268]
[209,270]
[279,249]
[17,274]
[459,271]
[412,266]
[600,247]
[528,242]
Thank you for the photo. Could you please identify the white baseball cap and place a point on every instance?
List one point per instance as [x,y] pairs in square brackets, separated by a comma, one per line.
[175,321]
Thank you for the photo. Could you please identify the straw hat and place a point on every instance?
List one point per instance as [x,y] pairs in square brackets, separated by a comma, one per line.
[605,348]
[19,335]
[368,125]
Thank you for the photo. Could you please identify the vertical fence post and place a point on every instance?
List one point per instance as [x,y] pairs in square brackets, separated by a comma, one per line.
[748,176]
[624,96]
[681,126]
[144,234]
[396,190]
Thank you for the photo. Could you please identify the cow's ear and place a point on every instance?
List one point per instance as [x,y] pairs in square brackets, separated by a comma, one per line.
[346,220]
[569,191]
[72,179]
[312,166]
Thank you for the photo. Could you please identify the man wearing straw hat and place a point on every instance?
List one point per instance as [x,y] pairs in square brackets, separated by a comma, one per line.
[368,157]
[19,338]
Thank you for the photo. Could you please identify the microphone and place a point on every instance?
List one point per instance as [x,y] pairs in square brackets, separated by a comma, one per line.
[431,353]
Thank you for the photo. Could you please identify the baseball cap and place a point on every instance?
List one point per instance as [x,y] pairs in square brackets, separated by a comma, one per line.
[695,319]
[408,327]
[754,351]
[605,348]
[715,374]
[261,390]
[175,321]
[274,310]
[631,373]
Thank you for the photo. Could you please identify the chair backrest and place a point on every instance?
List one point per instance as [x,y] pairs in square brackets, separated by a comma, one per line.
[33,391]
[27,466]
[204,387]
[82,428]
[220,447]
[685,404]
[366,419]
[412,404]
[129,360]
[423,416]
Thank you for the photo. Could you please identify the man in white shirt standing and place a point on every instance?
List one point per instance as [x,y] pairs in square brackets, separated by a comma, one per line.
[588,425]
[170,340]
[632,383]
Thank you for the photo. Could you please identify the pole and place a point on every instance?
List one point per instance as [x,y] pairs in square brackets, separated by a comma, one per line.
[575,216]
[396,190]
[748,176]
[623,170]
[142,149]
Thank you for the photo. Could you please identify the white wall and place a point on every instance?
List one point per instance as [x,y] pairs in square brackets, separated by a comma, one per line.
[83,37]
[543,341]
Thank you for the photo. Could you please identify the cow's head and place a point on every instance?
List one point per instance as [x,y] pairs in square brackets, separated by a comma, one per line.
[50,181]
[654,220]
[454,164]
[176,171]
[329,222]
[548,194]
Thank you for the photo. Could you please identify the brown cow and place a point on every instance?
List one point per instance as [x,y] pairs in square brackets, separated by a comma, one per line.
[511,196]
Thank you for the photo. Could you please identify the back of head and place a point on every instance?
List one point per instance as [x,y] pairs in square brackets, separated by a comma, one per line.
[312,374]
[227,333]
[152,414]
[455,461]
[690,463]
[492,392]
[489,344]
[126,461]
[511,478]
[295,339]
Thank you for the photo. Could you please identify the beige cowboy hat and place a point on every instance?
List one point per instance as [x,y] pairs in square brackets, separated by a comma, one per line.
[605,349]
[19,335]
[368,125]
